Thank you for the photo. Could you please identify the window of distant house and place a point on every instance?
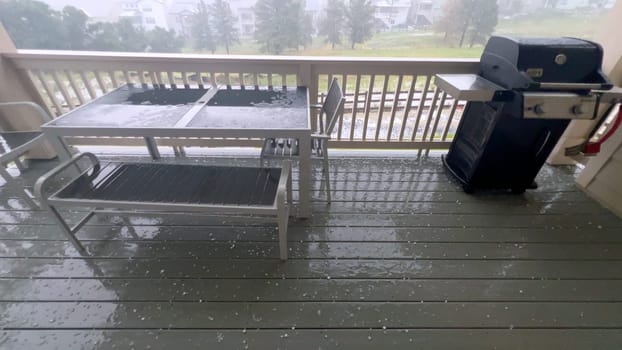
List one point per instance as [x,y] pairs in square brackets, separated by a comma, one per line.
[248,29]
[150,20]
[147,9]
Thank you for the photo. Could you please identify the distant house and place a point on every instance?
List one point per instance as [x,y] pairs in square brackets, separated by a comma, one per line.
[145,13]
[424,13]
[392,13]
[179,16]
[510,7]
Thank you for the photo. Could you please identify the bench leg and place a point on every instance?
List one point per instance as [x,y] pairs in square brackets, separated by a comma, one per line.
[283,218]
[325,167]
[11,182]
[68,231]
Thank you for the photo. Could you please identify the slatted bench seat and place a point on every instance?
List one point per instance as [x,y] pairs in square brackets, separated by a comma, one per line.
[158,187]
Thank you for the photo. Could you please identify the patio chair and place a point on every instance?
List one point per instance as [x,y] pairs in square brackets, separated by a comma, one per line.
[13,144]
[329,113]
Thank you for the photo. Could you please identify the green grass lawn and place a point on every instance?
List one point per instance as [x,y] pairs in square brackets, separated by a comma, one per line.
[432,45]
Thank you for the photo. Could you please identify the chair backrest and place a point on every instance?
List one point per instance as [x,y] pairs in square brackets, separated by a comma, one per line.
[333,106]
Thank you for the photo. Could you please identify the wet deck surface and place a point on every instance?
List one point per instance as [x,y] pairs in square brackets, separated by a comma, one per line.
[402,258]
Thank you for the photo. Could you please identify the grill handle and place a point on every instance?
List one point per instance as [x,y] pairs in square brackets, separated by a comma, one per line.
[571,86]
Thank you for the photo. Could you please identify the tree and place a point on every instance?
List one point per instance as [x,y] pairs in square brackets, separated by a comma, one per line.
[131,38]
[33,24]
[483,23]
[223,22]
[332,24]
[279,25]
[201,30]
[305,35]
[103,36]
[359,21]
[118,36]
[477,18]
[162,40]
[551,3]
[76,30]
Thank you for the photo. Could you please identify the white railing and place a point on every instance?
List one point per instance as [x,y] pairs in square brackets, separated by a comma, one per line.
[391,103]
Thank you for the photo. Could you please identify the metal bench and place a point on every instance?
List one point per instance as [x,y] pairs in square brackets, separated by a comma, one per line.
[168,188]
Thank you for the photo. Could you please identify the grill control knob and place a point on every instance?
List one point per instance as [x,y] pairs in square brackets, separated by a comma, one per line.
[577,109]
[539,109]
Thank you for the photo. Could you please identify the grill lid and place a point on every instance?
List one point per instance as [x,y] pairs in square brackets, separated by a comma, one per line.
[544,64]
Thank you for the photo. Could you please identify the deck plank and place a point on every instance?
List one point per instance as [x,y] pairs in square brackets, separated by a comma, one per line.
[372,339]
[158,268]
[318,250]
[315,290]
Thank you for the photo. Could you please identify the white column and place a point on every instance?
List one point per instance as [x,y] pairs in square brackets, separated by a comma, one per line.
[15,85]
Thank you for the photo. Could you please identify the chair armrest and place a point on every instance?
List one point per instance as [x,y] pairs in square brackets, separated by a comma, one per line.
[40,188]
[44,115]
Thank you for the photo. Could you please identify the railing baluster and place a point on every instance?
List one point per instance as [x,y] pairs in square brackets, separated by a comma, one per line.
[409,100]
[421,106]
[283,79]
[355,107]
[141,77]
[49,91]
[227,79]
[368,100]
[269,79]
[241,78]
[74,87]
[199,79]
[171,78]
[454,106]
[255,79]
[383,99]
[100,81]
[154,78]
[396,101]
[63,91]
[184,77]
[126,76]
[429,118]
[88,86]
[113,79]
[439,114]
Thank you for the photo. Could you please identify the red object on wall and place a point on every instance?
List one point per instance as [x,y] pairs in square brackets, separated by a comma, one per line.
[592,148]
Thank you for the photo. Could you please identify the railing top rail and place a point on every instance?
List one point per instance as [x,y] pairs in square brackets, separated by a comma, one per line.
[142,56]
[54,59]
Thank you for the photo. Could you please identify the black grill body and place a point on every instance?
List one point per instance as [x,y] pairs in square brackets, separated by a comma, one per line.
[495,147]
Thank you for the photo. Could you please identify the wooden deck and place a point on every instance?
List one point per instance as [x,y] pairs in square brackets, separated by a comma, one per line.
[401,259]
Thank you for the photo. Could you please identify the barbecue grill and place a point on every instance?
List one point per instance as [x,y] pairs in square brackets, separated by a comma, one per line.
[525,95]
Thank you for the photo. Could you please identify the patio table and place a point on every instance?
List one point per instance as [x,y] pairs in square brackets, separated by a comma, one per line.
[145,111]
